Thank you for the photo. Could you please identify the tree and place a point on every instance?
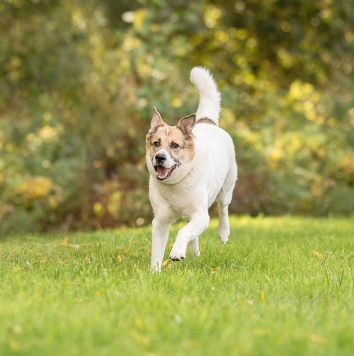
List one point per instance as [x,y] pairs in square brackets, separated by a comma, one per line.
[79,80]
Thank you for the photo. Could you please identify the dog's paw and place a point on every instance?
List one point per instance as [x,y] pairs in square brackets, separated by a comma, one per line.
[178,252]
[197,253]
[155,268]
[224,232]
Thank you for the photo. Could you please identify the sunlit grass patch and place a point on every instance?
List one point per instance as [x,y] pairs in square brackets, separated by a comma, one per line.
[280,286]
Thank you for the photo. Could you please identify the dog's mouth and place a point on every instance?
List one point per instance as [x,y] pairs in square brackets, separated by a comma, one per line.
[163,173]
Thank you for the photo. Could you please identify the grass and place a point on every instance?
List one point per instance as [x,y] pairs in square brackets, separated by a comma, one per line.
[281,286]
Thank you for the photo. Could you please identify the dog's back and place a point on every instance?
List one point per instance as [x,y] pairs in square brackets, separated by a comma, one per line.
[215,157]
[217,153]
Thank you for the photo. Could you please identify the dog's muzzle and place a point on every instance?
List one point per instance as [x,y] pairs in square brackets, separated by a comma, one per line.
[159,162]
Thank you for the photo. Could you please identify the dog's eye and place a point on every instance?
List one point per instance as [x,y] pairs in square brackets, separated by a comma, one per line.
[157,144]
[174,145]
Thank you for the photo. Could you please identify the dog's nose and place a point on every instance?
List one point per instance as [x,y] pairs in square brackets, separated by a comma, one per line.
[160,158]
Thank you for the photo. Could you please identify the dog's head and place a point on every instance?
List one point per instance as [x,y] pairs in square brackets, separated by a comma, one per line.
[170,149]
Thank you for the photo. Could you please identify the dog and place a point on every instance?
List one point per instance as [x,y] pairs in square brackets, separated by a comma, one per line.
[191,165]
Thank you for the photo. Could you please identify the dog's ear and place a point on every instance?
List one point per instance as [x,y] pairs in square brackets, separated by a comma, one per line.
[187,123]
[156,121]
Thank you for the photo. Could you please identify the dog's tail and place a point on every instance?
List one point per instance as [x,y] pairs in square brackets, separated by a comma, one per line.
[209,97]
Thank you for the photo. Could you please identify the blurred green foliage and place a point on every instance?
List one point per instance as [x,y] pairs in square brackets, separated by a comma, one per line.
[79,80]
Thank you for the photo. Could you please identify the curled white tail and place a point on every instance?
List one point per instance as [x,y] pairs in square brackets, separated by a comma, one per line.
[209,97]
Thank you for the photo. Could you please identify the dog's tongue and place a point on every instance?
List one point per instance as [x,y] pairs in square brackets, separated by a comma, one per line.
[162,172]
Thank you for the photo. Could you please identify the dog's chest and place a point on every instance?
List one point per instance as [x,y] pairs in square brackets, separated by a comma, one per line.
[182,199]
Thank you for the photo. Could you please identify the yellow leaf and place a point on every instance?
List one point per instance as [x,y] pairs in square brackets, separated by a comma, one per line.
[317,339]
[119,258]
[262,296]
[65,241]
[140,339]
[17,268]
[164,263]
[260,332]
[14,345]
[15,329]
[98,209]
[139,18]
[139,323]
[318,254]
[176,102]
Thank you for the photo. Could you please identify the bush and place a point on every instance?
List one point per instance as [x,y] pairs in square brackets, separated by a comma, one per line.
[81,78]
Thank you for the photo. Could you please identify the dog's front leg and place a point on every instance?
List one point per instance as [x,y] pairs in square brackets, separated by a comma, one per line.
[159,240]
[198,223]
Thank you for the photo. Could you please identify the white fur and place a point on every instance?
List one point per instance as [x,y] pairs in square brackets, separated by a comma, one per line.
[209,97]
[196,185]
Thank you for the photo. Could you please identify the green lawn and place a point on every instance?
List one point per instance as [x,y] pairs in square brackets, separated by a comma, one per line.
[281,286]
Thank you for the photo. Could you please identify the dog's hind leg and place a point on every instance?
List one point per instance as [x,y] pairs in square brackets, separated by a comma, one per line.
[194,246]
[224,225]
[224,199]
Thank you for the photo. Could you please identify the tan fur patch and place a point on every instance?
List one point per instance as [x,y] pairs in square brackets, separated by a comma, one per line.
[206,121]
[168,137]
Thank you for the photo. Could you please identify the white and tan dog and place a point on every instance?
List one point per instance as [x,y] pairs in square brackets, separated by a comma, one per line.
[191,166]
